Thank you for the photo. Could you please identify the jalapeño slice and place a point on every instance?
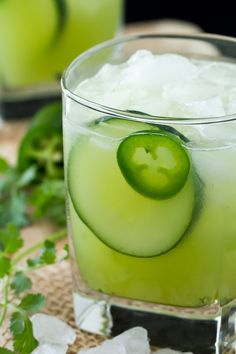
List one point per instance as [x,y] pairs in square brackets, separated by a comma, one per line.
[154,163]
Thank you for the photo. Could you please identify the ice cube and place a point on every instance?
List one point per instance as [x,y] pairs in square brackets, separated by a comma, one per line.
[140,55]
[211,107]
[133,341]
[169,351]
[50,349]
[157,107]
[49,329]
[219,73]
[190,91]
[92,316]
[231,102]
[155,71]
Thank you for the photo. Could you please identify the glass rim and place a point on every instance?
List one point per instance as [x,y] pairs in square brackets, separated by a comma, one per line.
[136,116]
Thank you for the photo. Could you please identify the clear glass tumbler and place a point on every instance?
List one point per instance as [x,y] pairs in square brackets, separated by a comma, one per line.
[158,253]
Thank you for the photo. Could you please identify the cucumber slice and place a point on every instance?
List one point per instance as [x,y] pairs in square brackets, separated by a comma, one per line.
[154,163]
[164,127]
[61,9]
[123,219]
[118,127]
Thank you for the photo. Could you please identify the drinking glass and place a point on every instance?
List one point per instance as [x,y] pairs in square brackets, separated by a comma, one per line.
[143,256]
[38,39]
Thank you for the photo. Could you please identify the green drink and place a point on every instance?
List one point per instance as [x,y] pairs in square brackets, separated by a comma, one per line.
[152,198]
[39,39]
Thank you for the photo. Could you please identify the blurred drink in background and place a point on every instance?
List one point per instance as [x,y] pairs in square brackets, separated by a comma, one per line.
[38,39]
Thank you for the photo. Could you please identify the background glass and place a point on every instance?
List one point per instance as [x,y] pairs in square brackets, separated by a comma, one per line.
[186,297]
[39,39]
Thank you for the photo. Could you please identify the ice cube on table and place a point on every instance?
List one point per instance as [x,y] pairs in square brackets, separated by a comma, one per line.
[92,315]
[169,351]
[49,329]
[46,348]
[132,341]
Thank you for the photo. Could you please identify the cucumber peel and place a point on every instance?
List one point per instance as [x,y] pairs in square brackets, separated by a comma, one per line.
[121,218]
[62,13]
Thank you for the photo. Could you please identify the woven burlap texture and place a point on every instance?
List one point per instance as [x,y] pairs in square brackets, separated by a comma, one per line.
[56,284]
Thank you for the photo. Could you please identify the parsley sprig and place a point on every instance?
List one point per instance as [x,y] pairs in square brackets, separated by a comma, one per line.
[15,265]
[31,189]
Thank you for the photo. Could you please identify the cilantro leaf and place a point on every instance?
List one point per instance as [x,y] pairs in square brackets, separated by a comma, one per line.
[5,266]
[13,196]
[32,303]
[66,249]
[13,209]
[47,255]
[48,199]
[27,177]
[10,239]
[4,165]
[22,331]
[7,180]
[5,351]
[17,323]
[20,283]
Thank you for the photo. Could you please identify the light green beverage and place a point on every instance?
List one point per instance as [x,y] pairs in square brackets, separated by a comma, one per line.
[38,39]
[152,198]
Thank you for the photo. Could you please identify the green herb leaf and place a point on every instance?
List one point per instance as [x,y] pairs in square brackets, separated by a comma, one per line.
[48,199]
[22,331]
[20,283]
[7,181]
[4,165]
[5,266]
[27,177]
[10,239]
[13,210]
[32,303]
[17,323]
[5,351]
[47,255]
[66,249]
[13,197]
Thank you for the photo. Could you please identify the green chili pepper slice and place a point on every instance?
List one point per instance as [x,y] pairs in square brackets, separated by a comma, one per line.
[154,163]
[42,143]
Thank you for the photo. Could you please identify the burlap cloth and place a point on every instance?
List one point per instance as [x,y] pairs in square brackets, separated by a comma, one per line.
[56,284]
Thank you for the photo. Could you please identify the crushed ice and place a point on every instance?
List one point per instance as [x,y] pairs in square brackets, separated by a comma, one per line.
[46,348]
[132,341]
[168,351]
[163,84]
[50,329]
[53,334]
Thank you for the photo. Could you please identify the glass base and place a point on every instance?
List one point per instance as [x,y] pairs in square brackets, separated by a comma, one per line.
[25,102]
[205,330]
